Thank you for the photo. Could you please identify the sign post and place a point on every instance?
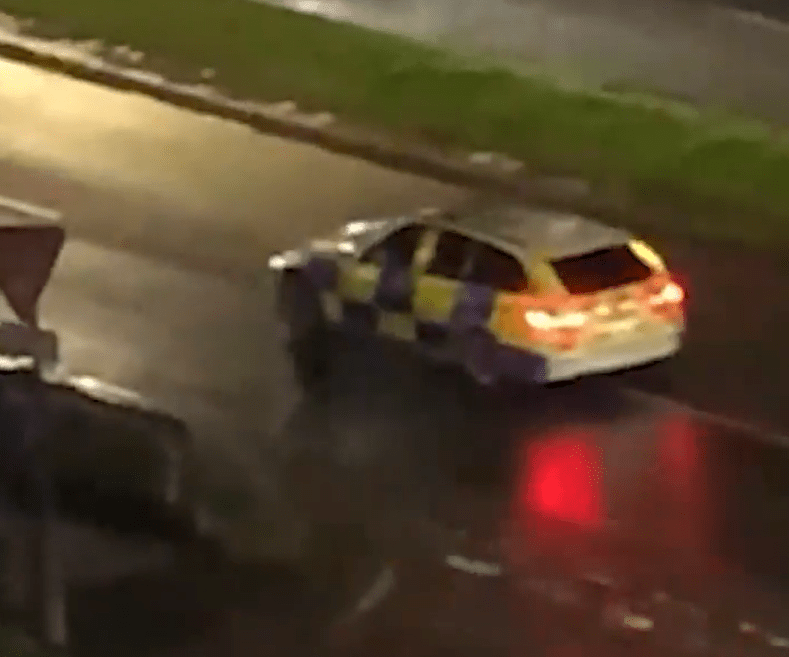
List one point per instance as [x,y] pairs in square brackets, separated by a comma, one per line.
[27,256]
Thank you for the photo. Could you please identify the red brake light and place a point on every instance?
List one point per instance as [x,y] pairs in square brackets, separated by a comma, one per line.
[666,302]
[671,293]
[560,328]
[674,293]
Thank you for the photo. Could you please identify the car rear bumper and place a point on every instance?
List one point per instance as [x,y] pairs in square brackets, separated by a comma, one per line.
[612,357]
[615,357]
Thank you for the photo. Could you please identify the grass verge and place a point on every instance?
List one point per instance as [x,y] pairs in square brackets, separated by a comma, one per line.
[726,176]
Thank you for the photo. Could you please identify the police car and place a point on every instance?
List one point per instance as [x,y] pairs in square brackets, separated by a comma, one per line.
[503,290]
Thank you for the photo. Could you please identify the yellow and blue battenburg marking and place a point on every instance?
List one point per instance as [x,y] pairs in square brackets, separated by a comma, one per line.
[390,302]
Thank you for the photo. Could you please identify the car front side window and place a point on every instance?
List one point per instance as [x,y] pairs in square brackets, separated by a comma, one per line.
[494,268]
[397,248]
[450,256]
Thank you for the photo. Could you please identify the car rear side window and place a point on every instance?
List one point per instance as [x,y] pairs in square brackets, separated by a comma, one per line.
[450,256]
[601,270]
[494,268]
[399,246]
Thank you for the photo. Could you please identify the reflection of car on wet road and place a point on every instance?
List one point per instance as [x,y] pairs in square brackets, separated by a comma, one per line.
[507,292]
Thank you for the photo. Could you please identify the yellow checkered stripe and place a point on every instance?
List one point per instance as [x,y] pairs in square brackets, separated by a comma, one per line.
[350,303]
[400,326]
[349,300]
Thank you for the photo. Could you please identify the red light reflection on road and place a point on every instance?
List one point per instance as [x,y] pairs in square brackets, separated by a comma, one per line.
[679,446]
[684,484]
[561,479]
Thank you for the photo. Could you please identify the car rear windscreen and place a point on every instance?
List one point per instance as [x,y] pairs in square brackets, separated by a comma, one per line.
[601,270]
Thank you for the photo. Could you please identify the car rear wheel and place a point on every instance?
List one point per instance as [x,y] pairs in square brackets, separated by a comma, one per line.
[479,356]
[304,329]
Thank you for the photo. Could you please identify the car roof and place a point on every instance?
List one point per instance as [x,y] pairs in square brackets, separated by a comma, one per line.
[528,232]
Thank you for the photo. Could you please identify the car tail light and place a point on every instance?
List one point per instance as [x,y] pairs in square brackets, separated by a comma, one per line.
[542,320]
[666,302]
[671,293]
[559,329]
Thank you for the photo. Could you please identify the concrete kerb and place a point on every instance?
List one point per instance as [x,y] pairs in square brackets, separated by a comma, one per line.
[492,172]
[611,201]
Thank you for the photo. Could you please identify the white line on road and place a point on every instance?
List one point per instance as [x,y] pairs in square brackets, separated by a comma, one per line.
[30,209]
[377,592]
[382,586]
[473,566]
[735,425]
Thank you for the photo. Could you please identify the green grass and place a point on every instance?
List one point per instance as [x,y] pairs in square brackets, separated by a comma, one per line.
[725,176]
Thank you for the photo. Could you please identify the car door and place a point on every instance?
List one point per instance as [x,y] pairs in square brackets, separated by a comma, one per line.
[494,290]
[439,288]
[377,290]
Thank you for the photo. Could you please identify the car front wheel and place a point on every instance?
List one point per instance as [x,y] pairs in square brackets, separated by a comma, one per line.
[305,330]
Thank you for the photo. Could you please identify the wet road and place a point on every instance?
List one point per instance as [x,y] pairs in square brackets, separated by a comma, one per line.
[685,49]
[160,291]
[664,503]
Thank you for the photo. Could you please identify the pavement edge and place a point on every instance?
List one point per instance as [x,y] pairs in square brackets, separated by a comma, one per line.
[490,171]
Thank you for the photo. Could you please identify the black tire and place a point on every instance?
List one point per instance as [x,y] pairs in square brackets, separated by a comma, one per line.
[479,358]
[656,378]
[307,334]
